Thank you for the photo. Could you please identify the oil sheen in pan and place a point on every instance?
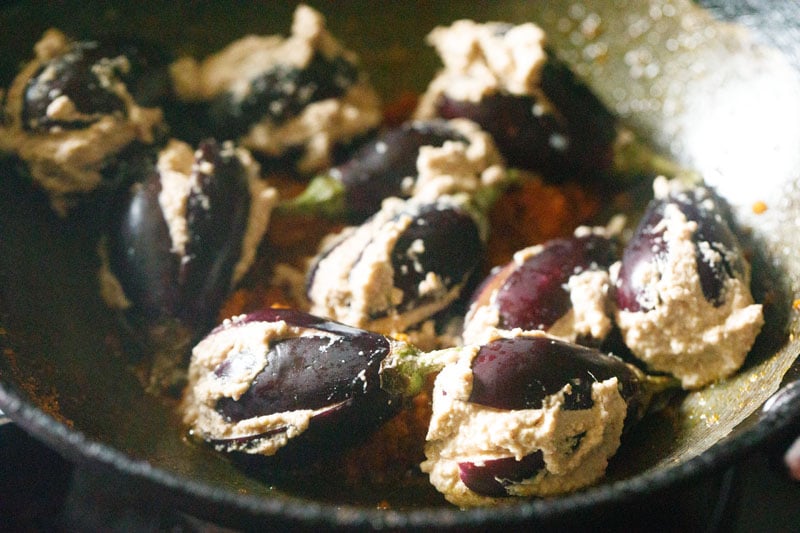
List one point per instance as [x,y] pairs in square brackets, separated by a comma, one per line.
[663,66]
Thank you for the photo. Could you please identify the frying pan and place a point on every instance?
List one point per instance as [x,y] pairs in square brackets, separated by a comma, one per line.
[718,96]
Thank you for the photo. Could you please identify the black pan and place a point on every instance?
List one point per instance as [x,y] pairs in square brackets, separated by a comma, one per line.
[718,96]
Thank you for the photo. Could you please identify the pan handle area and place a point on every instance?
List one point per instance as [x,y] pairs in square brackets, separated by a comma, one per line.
[785,405]
[787,399]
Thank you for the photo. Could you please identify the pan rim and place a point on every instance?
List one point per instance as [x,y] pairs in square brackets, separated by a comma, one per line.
[77,446]
[74,445]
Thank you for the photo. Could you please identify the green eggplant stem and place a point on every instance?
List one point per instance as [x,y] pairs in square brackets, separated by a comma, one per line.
[404,372]
[323,196]
[632,157]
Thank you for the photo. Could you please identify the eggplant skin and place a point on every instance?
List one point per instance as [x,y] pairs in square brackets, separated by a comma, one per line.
[493,476]
[190,286]
[140,250]
[433,249]
[519,373]
[217,213]
[377,169]
[534,291]
[281,93]
[648,246]
[309,372]
[453,248]
[576,142]
[321,367]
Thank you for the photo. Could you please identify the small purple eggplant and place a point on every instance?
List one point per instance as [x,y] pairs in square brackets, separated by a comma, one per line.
[96,77]
[401,267]
[281,93]
[294,101]
[683,288]
[560,286]
[530,416]
[284,383]
[73,75]
[187,232]
[389,166]
[542,117]
[277,376]
[717,253]
[576,140]
[73,114]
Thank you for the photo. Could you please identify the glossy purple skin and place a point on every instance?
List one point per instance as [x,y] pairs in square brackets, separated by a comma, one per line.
[520,372]
[377,169]
[140,252]
[281,93]
[576,141]
[453,249]
[157,281]
[216,214]
[494,475]
[335,369]
[71,74]
[311,372]
[647,246]
[535,295]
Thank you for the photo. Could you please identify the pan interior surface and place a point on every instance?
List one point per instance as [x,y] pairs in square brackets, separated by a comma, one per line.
[705,92]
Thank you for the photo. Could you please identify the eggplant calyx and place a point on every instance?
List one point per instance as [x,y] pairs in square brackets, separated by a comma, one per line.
[324,196]
[633,158]
[655,392]
[404,371]
[485,198]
